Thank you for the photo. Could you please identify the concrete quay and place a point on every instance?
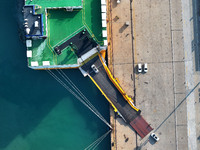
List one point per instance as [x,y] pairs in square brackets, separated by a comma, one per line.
[156,35]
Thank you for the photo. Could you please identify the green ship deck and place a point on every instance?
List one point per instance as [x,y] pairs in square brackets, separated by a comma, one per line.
[54,3]
[59,25]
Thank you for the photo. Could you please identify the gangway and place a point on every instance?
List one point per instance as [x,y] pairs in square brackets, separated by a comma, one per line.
[118,99]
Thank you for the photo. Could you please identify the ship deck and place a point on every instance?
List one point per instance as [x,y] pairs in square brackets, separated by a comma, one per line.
[54,3]
[61,25]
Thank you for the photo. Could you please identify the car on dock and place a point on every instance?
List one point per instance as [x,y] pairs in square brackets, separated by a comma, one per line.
[94,68]
[139,68]
[155,137]
[145,68]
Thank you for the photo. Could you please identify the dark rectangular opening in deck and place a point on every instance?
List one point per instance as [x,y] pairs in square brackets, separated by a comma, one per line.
[80,43]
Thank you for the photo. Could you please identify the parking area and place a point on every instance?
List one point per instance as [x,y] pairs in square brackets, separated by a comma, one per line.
[159,43]
[160,34]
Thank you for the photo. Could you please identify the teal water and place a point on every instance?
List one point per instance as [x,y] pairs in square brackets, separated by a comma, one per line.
[36,112]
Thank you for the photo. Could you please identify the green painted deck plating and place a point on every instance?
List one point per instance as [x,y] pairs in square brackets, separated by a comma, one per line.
[60,25]
[54,3]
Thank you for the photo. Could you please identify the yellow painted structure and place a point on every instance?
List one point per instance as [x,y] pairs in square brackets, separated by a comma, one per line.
[103,53]
[114,81]
[115,109]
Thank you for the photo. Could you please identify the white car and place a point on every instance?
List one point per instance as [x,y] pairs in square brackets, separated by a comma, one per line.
[145,67]
[118,1]
[94,68]
[139,68]
[153,135]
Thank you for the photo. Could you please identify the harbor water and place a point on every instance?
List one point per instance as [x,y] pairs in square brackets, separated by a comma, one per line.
[36,112]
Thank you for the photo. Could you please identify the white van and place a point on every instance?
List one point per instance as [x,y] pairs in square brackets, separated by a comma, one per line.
[139,68]
[155,137]
[94,68]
